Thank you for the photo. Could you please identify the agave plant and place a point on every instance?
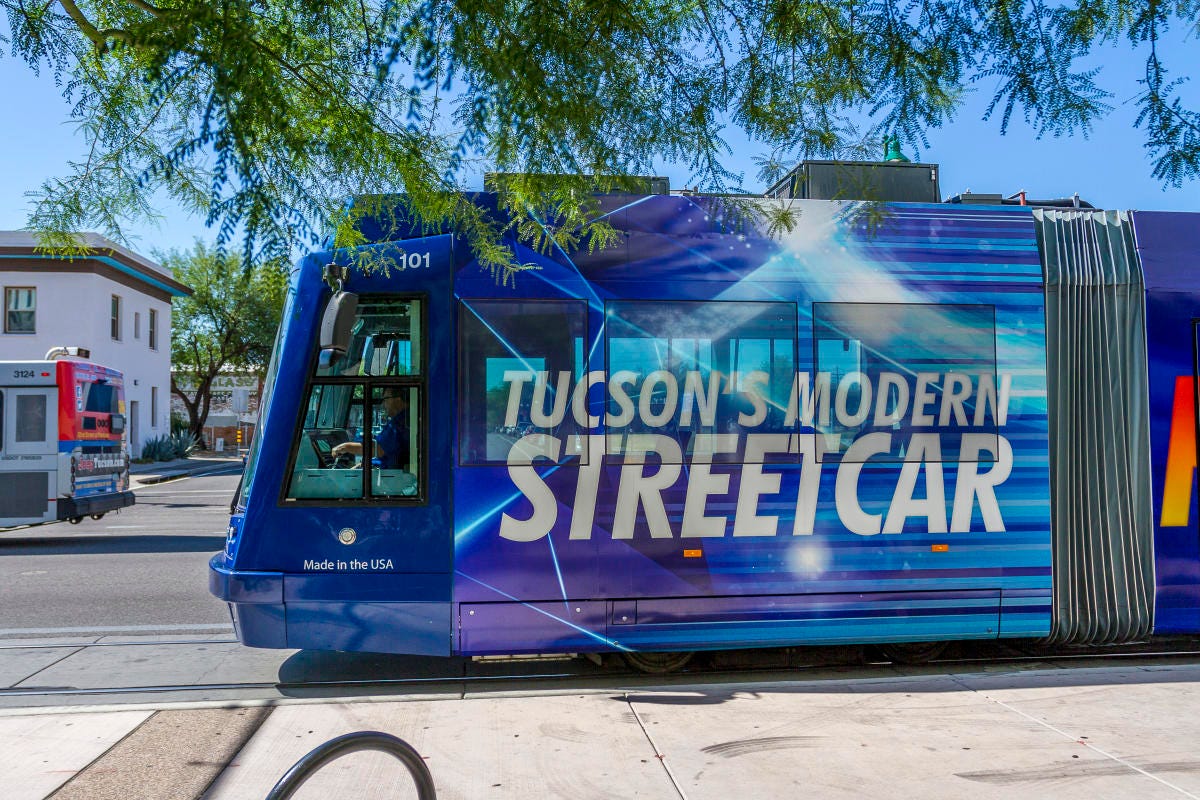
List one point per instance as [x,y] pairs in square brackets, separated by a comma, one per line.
[158,448]
[182,444]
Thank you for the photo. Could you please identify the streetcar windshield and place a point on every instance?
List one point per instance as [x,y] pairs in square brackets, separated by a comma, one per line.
[382,339]
[361,431]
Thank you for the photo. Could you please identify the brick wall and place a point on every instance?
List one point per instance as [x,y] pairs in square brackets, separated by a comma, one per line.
[229,434]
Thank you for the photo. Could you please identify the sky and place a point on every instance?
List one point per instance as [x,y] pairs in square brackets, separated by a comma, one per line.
[1110,168]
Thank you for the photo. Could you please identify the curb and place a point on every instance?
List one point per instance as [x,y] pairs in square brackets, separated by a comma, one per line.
[149,479]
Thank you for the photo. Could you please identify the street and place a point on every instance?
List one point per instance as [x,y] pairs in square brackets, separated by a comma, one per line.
[144,570]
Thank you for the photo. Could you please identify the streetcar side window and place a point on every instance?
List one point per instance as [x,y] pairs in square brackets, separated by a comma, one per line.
[907,368]
[520,364]
[361,434]
[693,371]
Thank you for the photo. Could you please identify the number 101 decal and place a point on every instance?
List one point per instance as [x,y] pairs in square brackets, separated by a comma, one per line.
[413,261]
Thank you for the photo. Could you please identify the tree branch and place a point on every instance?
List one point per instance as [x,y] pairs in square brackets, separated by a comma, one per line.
[153,10]
[100,38]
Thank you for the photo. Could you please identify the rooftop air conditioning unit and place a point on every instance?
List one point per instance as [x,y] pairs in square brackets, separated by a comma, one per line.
[891,181]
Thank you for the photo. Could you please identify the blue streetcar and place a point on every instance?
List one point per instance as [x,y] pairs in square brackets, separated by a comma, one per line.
[953,422]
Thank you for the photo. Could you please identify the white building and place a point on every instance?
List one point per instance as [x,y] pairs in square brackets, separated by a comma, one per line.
[112,301]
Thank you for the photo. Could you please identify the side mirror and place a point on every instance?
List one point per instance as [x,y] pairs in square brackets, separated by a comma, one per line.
[338,321]
[118,423]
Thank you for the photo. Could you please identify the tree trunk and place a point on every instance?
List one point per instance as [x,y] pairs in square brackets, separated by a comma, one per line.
[197,405]
[206,401]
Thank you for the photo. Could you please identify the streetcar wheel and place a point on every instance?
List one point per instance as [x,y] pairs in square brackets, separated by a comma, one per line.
[659,663]
[97,516]
[75,520]
[913,652]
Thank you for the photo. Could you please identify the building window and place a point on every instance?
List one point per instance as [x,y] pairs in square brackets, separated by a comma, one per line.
[20,309]
[137,325]
[153,406]
[116,318]
[153,332]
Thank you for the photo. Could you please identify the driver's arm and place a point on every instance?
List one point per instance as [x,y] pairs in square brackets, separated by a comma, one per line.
[356,449]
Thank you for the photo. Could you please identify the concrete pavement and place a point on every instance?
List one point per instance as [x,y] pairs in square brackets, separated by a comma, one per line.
[182,733]
[1109,732]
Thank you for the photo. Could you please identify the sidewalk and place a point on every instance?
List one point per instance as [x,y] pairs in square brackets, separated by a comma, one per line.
[1109,732]
[197,464]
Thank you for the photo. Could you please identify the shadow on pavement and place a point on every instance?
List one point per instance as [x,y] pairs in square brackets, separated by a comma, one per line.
[339,672]
[329,666]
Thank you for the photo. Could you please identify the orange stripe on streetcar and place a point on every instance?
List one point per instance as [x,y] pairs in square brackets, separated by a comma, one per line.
[1181,455]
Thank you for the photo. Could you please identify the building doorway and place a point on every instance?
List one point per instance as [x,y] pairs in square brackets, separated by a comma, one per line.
[135,442]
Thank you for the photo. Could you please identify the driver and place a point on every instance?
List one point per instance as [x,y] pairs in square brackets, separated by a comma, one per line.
[392,447]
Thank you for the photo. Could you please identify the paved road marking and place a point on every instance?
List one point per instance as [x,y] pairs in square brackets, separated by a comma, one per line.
[226,492]
[1087,744]
[113,629]
[659,754]
[164,492]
